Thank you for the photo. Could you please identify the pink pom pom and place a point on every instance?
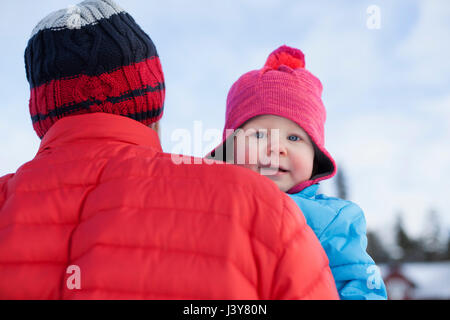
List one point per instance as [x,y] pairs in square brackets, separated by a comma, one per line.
[287,56]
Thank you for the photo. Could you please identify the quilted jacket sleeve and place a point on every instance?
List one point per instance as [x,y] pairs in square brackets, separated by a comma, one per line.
[345,242]
[3,181]
[302,271]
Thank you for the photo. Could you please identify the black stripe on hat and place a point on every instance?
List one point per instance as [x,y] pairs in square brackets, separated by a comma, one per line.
[66,109]
[93,49]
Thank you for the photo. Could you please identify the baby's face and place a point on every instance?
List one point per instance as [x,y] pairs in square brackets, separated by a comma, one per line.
[277,148]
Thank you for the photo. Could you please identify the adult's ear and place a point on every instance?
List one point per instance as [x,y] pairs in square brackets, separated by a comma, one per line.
[155,126]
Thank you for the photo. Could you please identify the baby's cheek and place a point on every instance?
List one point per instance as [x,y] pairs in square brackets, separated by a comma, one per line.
[303,167]
[244,159]
[245,153]
[251,160]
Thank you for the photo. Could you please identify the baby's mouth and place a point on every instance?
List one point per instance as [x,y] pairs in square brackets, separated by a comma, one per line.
[281,171]
[272,171]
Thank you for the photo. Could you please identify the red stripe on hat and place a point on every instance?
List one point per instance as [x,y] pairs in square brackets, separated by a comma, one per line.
[64,92]
[145,116]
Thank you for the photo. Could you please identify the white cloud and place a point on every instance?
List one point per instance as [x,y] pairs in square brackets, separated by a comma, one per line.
[425,50]
[19,143]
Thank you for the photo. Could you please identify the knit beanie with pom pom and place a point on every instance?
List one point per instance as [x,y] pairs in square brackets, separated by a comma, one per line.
[283,87]
[92,57]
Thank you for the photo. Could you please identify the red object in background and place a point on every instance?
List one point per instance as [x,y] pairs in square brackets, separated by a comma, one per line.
[398,286]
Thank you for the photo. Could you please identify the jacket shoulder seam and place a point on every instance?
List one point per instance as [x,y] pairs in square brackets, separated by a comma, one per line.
[334,218]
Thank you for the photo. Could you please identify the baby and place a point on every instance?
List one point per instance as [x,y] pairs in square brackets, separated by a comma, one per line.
[275,126]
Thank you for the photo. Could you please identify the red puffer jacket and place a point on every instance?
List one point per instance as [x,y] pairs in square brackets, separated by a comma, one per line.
[101,195]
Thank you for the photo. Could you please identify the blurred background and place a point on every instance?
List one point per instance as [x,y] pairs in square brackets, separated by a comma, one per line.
[385,71]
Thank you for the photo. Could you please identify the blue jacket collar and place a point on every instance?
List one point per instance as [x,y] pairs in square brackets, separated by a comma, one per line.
[310,191]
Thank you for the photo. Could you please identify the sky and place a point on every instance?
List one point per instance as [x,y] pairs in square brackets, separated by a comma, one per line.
[386,89]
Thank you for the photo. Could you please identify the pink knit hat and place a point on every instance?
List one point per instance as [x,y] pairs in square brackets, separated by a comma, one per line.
[284,88]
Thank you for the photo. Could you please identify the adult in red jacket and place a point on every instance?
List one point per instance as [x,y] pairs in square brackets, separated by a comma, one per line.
[102,213]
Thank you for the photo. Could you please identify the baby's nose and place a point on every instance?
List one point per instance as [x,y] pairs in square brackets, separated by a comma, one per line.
[276,147]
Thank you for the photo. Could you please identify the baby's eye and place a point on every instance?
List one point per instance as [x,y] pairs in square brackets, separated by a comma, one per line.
[259,134]
[293,138]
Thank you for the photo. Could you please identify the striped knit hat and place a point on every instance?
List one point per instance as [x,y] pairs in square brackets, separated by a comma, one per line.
[92,57]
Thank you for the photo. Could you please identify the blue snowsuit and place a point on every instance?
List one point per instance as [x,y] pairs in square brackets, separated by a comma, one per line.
[340,227]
